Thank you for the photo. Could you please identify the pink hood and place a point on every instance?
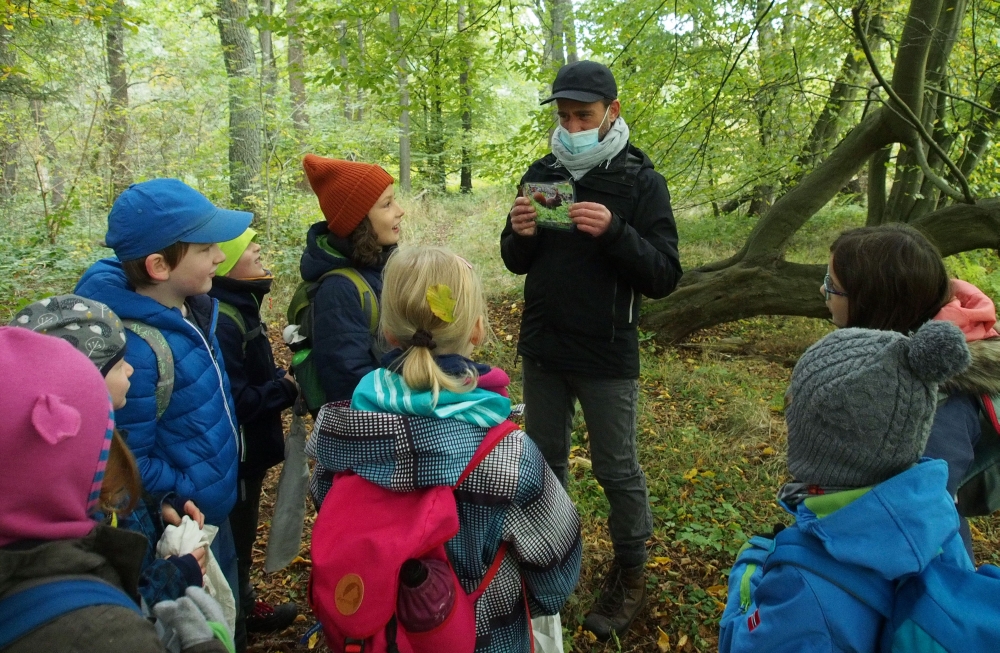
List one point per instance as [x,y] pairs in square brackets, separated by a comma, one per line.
[970,310]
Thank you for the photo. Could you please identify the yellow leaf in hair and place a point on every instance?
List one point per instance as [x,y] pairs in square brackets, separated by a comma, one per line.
[442,305]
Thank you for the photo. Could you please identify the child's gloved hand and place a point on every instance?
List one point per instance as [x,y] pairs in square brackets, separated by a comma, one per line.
[196,618]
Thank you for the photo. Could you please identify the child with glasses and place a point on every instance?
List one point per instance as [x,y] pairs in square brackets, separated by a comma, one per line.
[892,278]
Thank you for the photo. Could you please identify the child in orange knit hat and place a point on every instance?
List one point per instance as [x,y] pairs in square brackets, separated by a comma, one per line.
[345,253]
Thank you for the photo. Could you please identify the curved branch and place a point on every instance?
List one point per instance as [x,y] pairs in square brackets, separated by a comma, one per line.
[933,177]
[911,118]
[962,227]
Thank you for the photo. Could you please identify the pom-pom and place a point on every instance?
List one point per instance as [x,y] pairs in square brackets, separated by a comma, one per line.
[938,351]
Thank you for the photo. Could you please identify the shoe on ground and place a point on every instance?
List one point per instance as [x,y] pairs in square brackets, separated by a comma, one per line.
[622,597]
[267,619]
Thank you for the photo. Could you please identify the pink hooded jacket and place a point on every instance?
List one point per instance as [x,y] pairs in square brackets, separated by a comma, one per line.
[970,310]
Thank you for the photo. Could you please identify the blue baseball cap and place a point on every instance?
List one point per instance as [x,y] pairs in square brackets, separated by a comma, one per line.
[152,215]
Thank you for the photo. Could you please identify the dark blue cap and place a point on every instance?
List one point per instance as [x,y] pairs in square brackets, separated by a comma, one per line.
[584,81]
[152,215]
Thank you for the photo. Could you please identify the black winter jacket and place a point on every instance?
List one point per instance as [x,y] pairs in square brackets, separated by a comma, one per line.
[582,294]
[260,389]
[342,339]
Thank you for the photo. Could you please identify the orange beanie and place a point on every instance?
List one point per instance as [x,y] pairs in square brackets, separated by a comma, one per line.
[347,190]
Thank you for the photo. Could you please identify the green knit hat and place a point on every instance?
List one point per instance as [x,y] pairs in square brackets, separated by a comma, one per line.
[233,249]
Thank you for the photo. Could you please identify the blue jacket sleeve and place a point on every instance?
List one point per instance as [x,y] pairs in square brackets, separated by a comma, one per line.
[342,340]
[543,528]
[252,401]
[954,435]
[138,419]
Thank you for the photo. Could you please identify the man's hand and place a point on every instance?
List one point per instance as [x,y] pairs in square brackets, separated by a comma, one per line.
[590,217]
[170,515]
[522,217]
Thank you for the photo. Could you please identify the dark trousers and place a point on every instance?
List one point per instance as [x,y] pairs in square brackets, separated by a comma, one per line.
[243,521]
[609,408]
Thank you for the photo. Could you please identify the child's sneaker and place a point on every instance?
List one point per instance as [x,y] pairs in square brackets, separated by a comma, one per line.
[267,619]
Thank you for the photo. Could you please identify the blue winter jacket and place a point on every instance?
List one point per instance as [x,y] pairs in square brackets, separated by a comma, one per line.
[193,449]
[342,338]
[892,529]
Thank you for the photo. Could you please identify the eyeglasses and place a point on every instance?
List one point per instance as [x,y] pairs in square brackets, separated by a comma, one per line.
[828,288]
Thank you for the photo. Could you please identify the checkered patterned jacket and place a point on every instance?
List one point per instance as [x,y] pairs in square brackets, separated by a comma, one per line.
[511,496]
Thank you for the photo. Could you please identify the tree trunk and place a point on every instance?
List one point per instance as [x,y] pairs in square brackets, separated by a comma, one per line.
[359,112]
[404,105]
[51,182]
[297,84]
[268,79]
[117,122]
[466,101]
[244,109]
[757,280]
[9,141]
[345,88]
[569,29]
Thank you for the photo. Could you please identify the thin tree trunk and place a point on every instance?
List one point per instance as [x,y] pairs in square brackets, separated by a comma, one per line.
[117,122]
[466,100]
[359,113]
[244,109]
[569,30]
[404,105]
[876,186]
[9,140]
[345,89]
[268,78]
[52,181]
[297,84]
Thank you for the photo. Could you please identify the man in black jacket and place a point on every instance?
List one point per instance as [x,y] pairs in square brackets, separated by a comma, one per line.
[579,338]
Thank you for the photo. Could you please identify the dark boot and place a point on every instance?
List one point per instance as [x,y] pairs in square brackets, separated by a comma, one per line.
[266,619]
[622,597]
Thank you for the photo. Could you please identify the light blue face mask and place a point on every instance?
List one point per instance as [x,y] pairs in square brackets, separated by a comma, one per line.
[580,142]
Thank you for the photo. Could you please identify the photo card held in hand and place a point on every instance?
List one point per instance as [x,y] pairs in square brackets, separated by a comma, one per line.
[551,201]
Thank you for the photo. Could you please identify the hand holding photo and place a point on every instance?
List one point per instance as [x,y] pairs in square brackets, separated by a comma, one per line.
[551,202]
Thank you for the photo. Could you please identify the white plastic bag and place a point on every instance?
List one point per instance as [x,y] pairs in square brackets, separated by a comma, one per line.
[184,539]
[548,634]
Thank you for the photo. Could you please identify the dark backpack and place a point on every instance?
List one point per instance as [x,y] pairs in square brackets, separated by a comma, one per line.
[234,314]
[979,492]
[300,312]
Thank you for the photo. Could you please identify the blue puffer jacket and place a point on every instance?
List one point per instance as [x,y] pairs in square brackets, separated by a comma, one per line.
[892,529]
[342,339]
[193,449]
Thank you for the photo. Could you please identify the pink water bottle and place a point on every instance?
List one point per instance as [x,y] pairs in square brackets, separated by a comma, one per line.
[426,594]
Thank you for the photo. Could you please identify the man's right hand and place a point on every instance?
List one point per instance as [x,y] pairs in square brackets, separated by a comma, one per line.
[522,217]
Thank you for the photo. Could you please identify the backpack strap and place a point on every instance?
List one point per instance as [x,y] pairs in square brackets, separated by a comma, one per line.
[794,548]
[369,301]
[979,491]
[489,442]
[164,361]
[29,609]
[236,316]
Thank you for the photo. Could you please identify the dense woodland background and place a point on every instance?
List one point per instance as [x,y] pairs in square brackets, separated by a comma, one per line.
[777,123]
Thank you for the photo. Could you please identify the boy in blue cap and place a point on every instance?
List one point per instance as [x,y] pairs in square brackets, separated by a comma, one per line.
[185,438]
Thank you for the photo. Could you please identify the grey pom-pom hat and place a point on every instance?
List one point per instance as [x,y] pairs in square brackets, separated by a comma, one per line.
[88,325]
[861,402]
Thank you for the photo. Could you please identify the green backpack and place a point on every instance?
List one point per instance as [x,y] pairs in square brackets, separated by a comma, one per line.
[300,312]
[979,493]
[234,314]
[164,361]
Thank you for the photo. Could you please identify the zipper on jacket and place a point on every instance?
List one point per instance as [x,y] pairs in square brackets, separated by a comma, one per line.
[614,309]
[745,598]
[631,303]
[218,373]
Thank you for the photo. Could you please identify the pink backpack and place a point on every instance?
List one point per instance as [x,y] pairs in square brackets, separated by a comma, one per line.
[363,535]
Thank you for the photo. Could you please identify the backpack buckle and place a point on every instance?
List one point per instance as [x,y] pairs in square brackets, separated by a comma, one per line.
[354,645]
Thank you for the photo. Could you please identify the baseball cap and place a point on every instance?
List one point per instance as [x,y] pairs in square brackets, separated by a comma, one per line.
[584,81]
[152,215]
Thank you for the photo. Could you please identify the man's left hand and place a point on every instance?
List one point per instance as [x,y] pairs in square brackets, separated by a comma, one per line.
[590,217]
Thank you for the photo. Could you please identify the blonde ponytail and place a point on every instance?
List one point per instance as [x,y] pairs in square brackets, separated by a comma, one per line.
[409,319]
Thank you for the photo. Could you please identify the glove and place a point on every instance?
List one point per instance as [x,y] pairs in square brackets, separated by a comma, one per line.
[196,618]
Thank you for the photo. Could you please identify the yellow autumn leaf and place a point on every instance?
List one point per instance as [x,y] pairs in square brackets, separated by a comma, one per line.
[682,641]
[442,305]
[691,473]
[663,641]
[661,560]
[717,590]
[768,451]
[313,640]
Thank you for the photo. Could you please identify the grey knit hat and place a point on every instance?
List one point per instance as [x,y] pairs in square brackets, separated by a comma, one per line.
[861,402]
[90,326]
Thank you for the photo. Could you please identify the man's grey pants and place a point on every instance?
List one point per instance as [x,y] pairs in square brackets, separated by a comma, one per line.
[609,408]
